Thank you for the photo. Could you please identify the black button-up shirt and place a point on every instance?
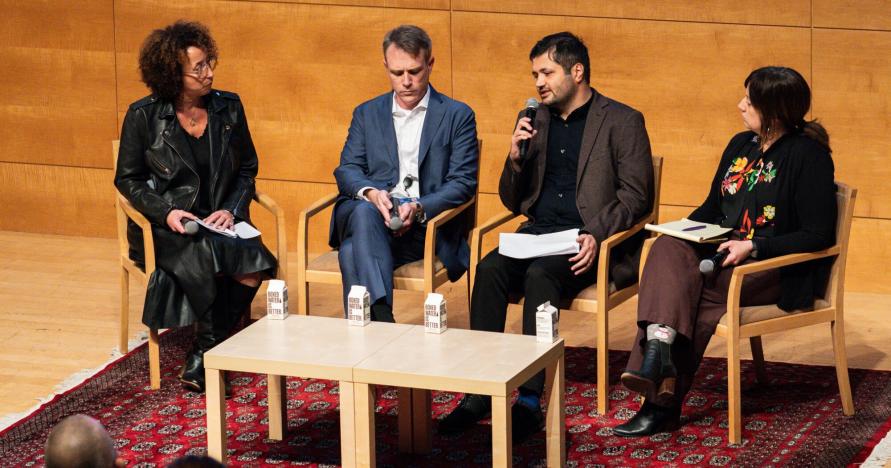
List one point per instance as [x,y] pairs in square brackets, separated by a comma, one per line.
[555,210]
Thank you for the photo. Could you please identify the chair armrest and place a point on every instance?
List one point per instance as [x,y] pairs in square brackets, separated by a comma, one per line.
[644,253]
[281,238]
[605,250]
[430,239]
[303,233]
[736,279]
[148,239]
[476,238]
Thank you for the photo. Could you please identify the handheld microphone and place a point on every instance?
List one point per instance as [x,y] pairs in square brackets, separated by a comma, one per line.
[712,264]
[395,220]
[191,227]
[531,109]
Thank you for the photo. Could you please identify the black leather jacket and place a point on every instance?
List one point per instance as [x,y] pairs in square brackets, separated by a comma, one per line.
[157,173]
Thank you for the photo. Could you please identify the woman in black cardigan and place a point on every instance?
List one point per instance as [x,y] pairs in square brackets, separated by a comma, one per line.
[775,187]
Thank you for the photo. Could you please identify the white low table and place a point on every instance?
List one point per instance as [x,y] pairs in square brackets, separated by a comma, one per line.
[459,361]
[304,346]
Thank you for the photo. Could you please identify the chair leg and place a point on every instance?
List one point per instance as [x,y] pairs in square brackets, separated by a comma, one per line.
[154,360]
[303,300]
[125,312]
[602,360]
[758,359]
[841,367]
[734,398]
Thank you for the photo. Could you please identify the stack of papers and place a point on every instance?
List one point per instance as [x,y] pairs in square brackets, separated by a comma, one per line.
[242,230]
[691,230]
[522,246]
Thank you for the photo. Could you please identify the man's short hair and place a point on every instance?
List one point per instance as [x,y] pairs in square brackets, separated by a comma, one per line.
[79,441]
[566,49]
[411,39]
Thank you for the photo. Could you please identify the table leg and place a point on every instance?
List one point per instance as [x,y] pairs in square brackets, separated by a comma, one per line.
[215,402]
[555,425]
[365,403]
[348,424]
[277,398]
[501,432]
[422,424]
[406,423]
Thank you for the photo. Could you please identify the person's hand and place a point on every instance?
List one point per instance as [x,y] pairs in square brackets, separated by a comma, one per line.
[523,131]
[584,260]
[221,219]
[175,220]
[381,200]
[739,251]
[407,213]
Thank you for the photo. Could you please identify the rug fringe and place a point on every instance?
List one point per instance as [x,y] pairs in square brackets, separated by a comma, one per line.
[881,454]
[71,381]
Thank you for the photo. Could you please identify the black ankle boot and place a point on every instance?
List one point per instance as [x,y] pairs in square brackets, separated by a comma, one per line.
[192,376]
[470,409]
[650,419]
[657,373]
[382,312]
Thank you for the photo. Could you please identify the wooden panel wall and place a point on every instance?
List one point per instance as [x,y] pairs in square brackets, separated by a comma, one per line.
[302,65]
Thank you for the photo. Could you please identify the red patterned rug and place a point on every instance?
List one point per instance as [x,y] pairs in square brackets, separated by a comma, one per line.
[795,420]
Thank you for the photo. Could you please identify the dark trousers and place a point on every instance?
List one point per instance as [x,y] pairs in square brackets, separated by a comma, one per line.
[369,252]
[674,293]
[539,279]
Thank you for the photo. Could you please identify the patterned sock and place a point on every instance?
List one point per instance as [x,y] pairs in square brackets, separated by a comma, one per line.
[659,332]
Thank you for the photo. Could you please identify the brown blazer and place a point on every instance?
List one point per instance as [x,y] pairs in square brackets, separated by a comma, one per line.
[614,180]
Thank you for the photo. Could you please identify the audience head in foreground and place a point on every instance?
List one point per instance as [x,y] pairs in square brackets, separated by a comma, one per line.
[80,441]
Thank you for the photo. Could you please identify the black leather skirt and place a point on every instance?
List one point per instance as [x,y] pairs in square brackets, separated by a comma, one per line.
[183,286]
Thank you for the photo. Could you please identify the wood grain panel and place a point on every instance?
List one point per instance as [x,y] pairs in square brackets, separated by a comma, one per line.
[416,4]
[57,87]
[293,197]
[854,14]
[852,97]
[57,200]
[771,12]
[300,69]
[685,78]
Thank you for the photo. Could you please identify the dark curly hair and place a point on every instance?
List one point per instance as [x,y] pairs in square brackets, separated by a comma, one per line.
[164,52]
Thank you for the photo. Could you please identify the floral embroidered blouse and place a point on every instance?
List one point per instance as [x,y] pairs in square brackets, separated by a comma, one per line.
[748,193]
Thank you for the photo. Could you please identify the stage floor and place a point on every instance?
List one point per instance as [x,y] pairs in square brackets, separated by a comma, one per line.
[59,305]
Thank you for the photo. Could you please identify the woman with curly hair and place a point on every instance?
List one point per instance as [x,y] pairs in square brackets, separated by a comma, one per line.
[774,187]
[186,154]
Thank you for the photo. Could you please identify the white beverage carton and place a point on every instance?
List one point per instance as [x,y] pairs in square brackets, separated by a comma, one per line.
[547,323]
[358,306]
[276,300]
[435,316]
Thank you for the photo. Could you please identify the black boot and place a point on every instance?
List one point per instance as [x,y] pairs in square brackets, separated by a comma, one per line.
[192,376]
[650,419]
[657,373]
[470,409]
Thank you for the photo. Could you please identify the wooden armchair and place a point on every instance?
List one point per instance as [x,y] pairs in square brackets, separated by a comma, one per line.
[124,211]
[594,299]
[423,275]
[752,322]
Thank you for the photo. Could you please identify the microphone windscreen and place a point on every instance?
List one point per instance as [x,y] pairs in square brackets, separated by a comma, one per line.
[707,266]
[395,223]
[532,103]
[191,227]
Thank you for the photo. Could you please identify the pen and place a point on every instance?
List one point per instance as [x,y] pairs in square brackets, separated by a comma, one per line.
[695,228]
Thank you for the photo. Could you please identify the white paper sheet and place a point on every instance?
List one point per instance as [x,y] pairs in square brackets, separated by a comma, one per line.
[242,230]
[522,246]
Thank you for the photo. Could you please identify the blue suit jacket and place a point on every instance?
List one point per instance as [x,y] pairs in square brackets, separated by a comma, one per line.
[448,161]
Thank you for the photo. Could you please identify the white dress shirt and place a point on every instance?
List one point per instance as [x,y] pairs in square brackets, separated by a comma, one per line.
[408,125]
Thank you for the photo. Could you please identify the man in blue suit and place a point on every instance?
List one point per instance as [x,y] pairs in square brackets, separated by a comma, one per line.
[412,145]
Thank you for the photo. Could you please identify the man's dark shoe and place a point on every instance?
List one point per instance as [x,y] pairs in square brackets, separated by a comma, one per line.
[525,422]
[656,377]
[469,411]
[650,419]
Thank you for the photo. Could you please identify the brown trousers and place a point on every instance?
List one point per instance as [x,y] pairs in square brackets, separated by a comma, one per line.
[674,293]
